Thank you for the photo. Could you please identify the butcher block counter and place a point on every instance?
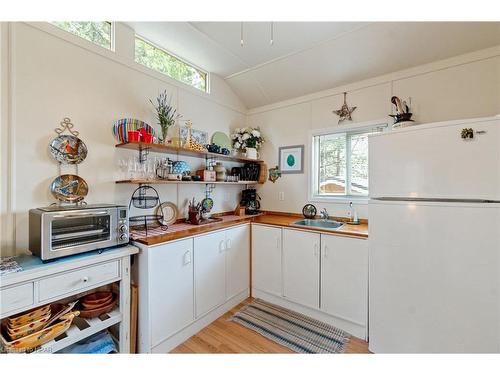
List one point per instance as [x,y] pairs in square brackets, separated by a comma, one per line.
[180,230]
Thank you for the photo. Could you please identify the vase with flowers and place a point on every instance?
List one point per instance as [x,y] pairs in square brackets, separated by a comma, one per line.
[247,140]
[166,114]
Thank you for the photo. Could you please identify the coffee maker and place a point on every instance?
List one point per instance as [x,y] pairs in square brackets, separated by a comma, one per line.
[251,201]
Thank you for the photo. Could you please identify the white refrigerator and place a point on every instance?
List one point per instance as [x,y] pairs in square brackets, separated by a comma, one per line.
[434,235]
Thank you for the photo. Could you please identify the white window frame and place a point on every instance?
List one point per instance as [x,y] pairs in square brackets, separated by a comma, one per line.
[353,128]
[207,82]
[112,36]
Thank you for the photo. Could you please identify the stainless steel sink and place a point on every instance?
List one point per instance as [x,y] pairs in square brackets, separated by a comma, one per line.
[320,223]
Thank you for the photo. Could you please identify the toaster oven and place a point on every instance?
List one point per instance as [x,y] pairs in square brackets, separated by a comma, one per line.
[58,231]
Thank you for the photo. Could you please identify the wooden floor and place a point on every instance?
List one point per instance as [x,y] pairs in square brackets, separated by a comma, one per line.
[224,336]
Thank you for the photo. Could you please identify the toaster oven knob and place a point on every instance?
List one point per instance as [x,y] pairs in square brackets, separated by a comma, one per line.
[123,228]
[123,237]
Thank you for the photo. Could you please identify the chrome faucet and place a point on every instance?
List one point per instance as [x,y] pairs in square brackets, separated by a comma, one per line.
[324,214]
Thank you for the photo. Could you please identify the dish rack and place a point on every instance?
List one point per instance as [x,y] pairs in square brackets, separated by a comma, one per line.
[146,197]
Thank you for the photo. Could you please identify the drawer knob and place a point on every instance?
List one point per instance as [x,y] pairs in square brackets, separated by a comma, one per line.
[85,279]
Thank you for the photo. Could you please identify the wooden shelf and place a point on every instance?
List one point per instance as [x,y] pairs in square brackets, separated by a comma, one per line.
[165,149]
[148,182]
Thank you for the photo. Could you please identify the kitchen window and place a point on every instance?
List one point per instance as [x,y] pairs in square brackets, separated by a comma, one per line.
[100,33]
[164,62]
[340,164]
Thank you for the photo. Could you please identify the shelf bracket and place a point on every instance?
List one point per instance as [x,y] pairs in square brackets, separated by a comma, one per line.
[143,154]
[209,188]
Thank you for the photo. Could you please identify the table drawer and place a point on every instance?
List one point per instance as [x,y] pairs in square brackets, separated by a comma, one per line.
[77,280]
[16,297]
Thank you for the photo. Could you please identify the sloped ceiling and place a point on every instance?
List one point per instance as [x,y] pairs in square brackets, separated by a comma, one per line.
[306,57]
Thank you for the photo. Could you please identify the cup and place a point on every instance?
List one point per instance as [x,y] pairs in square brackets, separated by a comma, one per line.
[147,138]
[133,136]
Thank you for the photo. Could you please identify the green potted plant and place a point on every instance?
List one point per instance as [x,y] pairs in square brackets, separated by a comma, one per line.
[165,114]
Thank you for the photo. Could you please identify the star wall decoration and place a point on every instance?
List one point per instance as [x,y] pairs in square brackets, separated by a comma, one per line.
[345,111]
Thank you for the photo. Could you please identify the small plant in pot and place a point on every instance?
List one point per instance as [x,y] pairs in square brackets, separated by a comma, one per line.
[165,114]
[248,140]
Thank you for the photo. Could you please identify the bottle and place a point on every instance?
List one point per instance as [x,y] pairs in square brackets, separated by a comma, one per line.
[353,214]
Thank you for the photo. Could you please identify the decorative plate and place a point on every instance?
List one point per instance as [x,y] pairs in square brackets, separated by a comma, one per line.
[207,204]
[222,140]
[123,126]
[180,167]
[169,212]
[68,149]
[69,188]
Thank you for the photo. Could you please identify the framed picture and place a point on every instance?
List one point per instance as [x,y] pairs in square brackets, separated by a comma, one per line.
[199,136]
[291,159]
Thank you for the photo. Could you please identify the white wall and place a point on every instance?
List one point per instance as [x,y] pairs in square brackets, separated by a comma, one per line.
[465,86]
[55,75]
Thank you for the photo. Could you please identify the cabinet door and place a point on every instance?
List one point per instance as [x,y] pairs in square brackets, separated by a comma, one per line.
[344,278]
[301,267]
[171,288]
[209,271]
[237,260]
[266,259]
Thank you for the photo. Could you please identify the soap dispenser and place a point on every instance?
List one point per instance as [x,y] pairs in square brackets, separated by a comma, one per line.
[353,214]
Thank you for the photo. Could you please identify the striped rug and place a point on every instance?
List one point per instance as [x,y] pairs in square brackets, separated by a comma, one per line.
[298,332]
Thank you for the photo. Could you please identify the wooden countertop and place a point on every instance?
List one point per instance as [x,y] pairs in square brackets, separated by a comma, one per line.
[286,220]
[182,230]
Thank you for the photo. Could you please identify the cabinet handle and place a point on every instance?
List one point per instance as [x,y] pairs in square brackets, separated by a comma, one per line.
[277,242]
[315,249]
[228,244]
[222,246]
[187,257]
[325,251]
[85,279]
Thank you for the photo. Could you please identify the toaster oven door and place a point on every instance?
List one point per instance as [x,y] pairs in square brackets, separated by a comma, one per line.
[79,231]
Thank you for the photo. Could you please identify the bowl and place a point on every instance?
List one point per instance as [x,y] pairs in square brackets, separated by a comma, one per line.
[97,298]
[94,313]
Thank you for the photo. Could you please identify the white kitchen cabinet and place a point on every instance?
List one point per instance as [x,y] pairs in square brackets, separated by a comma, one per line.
[209,271]
[237,260]
[186,284]
[171,292]
[301,264]
[344,278]
[266,259]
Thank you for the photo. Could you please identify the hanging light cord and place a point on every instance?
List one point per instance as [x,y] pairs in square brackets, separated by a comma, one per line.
[272,34]
[241,35]
[242,42]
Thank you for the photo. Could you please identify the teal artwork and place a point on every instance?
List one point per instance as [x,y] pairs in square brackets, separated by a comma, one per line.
[291,159]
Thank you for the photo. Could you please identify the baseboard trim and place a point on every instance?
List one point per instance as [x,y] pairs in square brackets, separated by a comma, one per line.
[196,326]
[350,327]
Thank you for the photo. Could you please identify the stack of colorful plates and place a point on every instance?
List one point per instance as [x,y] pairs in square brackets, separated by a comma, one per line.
[124,125]
[36,327]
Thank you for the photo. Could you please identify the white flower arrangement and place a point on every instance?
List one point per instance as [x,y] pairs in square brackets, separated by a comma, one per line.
[244,138]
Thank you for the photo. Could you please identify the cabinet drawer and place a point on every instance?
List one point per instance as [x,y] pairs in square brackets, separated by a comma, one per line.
[77,280]
[16,297]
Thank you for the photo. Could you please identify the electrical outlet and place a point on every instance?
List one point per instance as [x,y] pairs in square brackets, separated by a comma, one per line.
[226,197]
[281,196]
